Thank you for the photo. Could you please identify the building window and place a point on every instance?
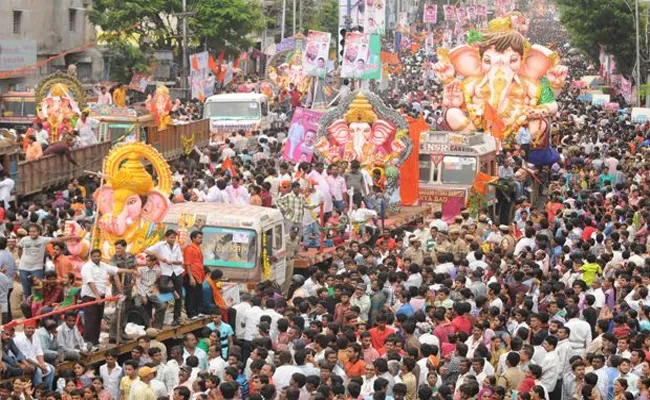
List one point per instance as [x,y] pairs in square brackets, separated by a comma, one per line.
[18,19]
[72,20]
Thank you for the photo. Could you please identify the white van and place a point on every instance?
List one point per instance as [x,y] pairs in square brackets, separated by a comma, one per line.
[233,112]
[233,237]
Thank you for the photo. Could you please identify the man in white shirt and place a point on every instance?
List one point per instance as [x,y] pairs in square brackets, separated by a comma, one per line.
[214,195]
[111,373]
[241,309]
[30,346]
[250,324]
[93,276]
[237,194]
[551,367]
[170,256]
[103,97]
[336,185]
[6,186]
[580,332]
[283,373]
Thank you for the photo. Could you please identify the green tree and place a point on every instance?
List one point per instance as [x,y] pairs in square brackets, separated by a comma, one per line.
[226,24]
[124,60]
[606,23]
[322,16]
[219,24]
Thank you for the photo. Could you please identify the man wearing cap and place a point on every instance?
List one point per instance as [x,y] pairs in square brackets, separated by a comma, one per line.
[30,346]
[414,251]
[142,390]
[458,245]
[508,242]
[443,245]
[360,299]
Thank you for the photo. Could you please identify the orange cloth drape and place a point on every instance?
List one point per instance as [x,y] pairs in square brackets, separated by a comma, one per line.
[410,170]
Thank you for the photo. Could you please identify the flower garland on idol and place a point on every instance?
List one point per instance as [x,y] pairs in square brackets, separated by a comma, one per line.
[265,258]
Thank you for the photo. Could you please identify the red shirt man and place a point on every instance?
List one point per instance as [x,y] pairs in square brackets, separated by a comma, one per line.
[193,258]
[379,333]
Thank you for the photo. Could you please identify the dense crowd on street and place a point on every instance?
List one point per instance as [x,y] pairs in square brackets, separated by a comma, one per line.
[553,305]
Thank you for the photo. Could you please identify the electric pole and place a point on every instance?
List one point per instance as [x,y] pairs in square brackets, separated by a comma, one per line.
[284,17]
[294,17]
[185,69]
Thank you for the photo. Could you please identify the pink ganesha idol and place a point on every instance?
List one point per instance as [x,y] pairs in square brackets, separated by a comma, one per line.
[78,248]
[360,135]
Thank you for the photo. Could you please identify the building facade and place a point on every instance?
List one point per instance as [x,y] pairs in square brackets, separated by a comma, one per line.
[35,30]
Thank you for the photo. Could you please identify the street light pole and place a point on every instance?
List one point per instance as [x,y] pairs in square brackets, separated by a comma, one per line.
[638,54]
[284,17]
[185,71]
[294,17]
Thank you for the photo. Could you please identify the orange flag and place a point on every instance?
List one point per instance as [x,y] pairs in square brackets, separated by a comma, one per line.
[227,164]
[481,180]
[496,124]
[195,62]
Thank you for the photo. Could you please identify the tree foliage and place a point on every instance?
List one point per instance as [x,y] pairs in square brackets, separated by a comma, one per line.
[324,17]
[226,24]
[219,24]
[124,60]
[606,23]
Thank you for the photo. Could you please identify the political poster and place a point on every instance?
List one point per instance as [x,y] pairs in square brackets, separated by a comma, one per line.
[361,57]
[375,17]
[429,45]
[481,13]
[301,138]
[430,13]
[140,81]
[471,13]
[450,12]
[201,79]
[461,15]
[314,58]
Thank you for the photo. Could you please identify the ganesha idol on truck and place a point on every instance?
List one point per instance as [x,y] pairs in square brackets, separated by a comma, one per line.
[499,83]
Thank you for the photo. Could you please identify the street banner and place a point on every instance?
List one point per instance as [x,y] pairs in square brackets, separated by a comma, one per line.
[461,15]
[301,139]
[314,59]
[361,58]
[140,81]
[201,80]
[450,12]
[430,13]
[375,21]
[429,45]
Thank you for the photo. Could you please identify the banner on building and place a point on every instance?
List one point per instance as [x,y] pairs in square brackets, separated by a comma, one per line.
[314,58]
[16,54]
[430,13]
[375,20]
[301,138]
[361,58]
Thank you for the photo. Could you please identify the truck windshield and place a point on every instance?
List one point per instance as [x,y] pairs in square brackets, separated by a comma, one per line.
[232,110]
[459,170]
[229,247]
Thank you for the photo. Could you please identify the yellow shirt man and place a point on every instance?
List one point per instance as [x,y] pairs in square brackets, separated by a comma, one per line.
[119,96]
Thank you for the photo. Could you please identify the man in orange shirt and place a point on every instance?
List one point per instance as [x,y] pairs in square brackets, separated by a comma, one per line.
[62,264]
[355,365]
[194,274]
[379,333]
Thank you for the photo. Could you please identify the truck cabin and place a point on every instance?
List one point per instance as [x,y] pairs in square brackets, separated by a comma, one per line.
[17,108]
[450,159]
[234,236]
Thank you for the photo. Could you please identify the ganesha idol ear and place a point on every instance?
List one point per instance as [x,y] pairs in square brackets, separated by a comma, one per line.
[156,206]
[105,199]
[466,60]
[536,63]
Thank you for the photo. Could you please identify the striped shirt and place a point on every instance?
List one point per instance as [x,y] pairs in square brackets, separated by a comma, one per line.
[147,280]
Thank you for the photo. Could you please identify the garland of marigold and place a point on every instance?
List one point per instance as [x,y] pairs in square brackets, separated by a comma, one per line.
[265,258]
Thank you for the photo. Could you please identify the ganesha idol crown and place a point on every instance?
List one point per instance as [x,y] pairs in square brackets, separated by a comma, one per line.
[132,176]
[360,110]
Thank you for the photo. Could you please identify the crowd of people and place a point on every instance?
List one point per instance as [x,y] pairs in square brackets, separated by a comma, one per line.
[553,305]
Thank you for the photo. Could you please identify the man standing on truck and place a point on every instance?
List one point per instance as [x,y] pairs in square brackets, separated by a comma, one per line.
[170,256]
[293,207]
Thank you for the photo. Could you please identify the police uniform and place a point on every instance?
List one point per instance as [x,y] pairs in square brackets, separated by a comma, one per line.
[508,242]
